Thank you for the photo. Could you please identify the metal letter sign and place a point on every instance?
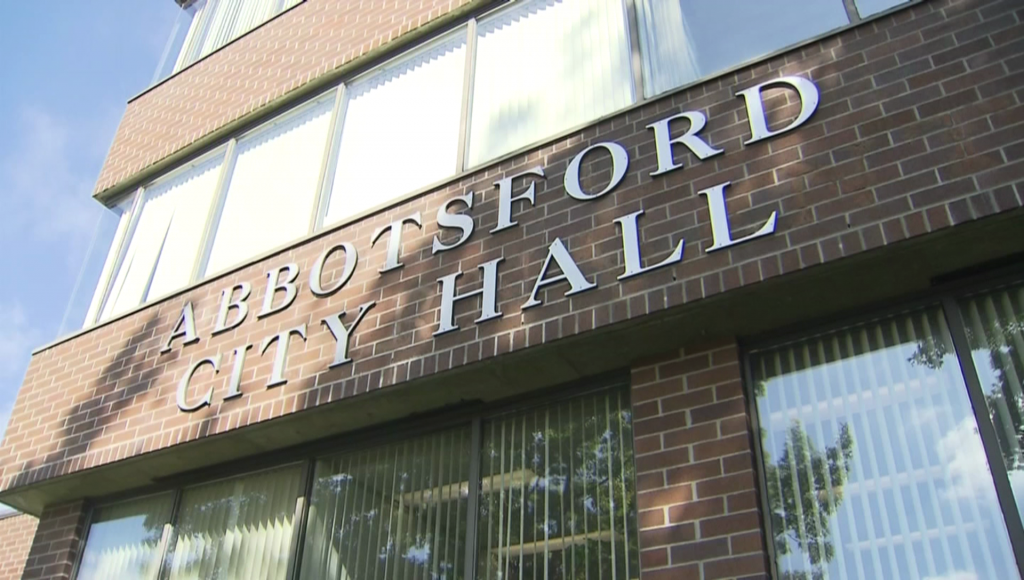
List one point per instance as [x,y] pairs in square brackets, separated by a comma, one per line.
[282,288]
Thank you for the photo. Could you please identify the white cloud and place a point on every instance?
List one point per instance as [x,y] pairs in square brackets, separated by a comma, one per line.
[963,456]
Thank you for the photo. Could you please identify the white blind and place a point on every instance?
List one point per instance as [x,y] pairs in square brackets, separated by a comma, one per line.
[218,22]
[165,240]
[401,129]
[396,512]
[557,493]
[238,529]
[682,41]
[124,540]
[272,188]
[123,213]
[544,66]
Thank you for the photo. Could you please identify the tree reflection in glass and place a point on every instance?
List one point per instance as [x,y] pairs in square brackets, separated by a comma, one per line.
[874,466]
[124,539]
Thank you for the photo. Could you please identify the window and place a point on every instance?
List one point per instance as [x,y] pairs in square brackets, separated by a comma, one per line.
[272,187]
[544,66]
[125,539]
[873,462]
[165,237]
[995,330]
[218,22]
[557,493]
[239,528]
[401,128]
[683,41]
[545,493]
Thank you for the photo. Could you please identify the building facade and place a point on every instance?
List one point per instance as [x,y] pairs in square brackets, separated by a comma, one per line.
[550,289]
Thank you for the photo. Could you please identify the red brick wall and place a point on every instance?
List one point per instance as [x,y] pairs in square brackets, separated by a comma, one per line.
[919,128]
[57,542]
[696,487]
[16,534]
[312,39]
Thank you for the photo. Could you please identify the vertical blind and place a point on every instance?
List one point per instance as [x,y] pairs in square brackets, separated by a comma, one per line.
[543,66]
[401,129]
[218,22]
[557,489]
[124,540]
[236,529]
[682,41]
[995,331]
[165,240]
[872,458]
[393,512]
[272,187]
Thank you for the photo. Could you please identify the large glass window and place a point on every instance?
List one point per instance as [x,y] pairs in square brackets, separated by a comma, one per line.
[396,512]
[557,493]
[544,66]
[400,129]
[125,539]
[271,191]
[218,22]
[995,330]
[165,239]
[237,529]
[682,41]
[873,462]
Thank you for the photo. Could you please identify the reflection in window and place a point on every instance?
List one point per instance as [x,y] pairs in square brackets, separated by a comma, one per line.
[995,331]
[544,66]
[871,7]
[165,240]
[557,493]
[393,512]
[272,187]
[682,41]
[218,22]
[236,529]
[124,539]
[873,462]
[401,128]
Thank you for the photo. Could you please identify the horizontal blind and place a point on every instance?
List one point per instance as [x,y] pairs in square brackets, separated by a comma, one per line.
[557,493]
[544,66]
[995,332]
[236,529]
[124,539]
[873,462]
[272,188]
[400,130]
[393,512]
[682,41]
[165,241]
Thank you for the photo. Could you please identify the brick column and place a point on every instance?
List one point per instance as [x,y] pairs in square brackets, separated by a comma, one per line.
[59,537]
[696,485]
[16,534]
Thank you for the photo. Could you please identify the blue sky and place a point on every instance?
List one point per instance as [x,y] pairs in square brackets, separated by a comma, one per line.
[70,69]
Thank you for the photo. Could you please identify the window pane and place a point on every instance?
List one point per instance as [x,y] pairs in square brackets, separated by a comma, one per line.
[557,493]
[395,512]
[124,539]
[272,188]
[682,41]
[165,240]
[99,264]
[401,129]
[870,7]
[873,462]
[543,66]
[995,331]
[218,22]
[237,529]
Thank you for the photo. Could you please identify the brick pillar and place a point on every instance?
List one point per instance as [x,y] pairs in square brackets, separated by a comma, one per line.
[696,486]
[16,534]
[59,537]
